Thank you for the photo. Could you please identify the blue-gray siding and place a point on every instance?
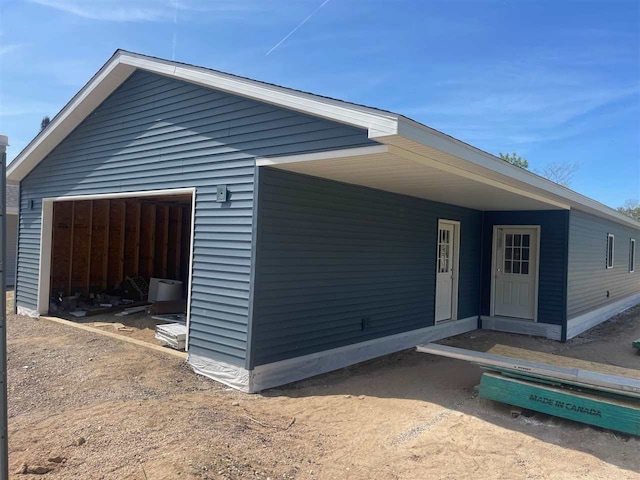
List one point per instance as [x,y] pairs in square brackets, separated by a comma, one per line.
[158,133]
[329,254]
[589,279]
[552,284]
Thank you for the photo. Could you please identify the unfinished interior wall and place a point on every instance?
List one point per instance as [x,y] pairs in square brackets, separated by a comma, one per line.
[96,244]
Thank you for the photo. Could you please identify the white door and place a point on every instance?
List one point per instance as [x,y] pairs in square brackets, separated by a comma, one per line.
[446,271]
[516,279]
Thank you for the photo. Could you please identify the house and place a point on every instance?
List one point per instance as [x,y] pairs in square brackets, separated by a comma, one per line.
[311,233]
[12,203]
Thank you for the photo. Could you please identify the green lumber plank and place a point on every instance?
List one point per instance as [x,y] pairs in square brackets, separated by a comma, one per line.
[622,416]
[554,382]
[636,343]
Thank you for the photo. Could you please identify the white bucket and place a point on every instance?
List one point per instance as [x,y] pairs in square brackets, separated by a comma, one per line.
[167,290]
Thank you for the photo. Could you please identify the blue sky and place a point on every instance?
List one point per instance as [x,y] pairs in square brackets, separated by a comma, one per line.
[552,80]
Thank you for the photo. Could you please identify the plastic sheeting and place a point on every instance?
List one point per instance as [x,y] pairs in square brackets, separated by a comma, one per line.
[294,369]
[28,312]
[232,375]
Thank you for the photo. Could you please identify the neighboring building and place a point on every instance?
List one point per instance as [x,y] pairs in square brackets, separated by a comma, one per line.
[312,233]
[12,204]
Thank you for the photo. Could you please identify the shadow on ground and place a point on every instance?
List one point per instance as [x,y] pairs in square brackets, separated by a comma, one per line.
[449,384]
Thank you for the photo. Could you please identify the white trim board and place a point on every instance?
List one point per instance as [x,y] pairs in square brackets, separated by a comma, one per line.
[524,327]
[324,155]
[299,368]
[46,240]
[384,126]
[582,323]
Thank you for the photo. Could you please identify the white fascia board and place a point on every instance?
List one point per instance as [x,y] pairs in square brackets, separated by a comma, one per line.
[417,132]
[325,155]
[377,122]
[110,77]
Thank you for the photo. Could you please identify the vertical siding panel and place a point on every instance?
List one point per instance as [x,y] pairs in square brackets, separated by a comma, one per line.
[159,133]
[589,279]
[330,253]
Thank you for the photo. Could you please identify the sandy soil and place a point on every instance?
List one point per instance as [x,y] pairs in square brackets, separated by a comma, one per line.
[137,325]
[144,415]
[9,301]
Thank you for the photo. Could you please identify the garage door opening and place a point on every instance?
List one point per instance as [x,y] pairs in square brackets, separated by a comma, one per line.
[119,261]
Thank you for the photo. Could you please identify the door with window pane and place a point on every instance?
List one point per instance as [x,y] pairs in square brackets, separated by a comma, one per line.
[446,264]
[516,261]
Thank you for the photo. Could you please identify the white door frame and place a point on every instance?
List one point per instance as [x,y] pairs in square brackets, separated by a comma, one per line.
[494,244]
[44,273]
[455,269]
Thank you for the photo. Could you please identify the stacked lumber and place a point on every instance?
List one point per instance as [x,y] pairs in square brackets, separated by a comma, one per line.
[173,335]
[606,396]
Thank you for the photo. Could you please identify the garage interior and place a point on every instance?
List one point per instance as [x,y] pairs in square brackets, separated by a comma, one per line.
[106,251]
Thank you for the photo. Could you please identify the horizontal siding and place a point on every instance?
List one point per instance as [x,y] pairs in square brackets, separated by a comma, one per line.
[158,133]
[329,254]
[552,279]
[589,279]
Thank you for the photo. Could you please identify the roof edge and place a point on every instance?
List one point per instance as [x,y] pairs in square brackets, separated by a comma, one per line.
[123,63]
[412,130]
[378,123]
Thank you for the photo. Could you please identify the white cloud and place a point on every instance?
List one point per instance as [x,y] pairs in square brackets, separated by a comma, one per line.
[505,105]
[4,49]
[143,10]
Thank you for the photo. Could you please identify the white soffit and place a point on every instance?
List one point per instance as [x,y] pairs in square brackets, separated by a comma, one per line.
[385,170]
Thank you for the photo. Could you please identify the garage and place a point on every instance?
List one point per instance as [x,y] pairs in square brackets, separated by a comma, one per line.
[107,253]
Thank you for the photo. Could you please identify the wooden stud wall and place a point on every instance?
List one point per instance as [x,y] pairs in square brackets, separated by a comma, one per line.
[131,238]
[81,245]
[115,269]
[147,238]
[99,264]
[98,243]
[61,246]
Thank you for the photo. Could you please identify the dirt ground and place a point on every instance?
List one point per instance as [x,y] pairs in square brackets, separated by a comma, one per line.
[136,325]
[145,415]
[9,305]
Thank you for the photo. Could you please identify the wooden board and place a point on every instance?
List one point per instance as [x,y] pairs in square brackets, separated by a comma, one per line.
[131,238]
[622,415]
[147,239]
[560,361]
[174,242]
[81,246]
[162,240]
[622,385]
[61,248]
[116,242]
[99,245]
[185,246]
